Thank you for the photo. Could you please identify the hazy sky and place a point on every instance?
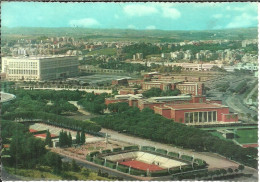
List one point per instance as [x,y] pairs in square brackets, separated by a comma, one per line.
[164,16]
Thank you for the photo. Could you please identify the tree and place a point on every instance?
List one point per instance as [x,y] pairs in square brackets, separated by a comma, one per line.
[241,167]
[230,170]
[78,138]
[70,140]
[248,116]
[75,167]
[99,173]
[223,172]
[54,160]
[48,139]
[82,137]
[85,172]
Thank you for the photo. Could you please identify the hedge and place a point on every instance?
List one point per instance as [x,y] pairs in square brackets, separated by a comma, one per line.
[116,149]
[89,158]
[161,151]
[175,170]
[94,153]
[148,148]
[186,168]
[99,161]
[159,173]
[134,147]
[174,154]
[137,172]
[110,164]
[122,168]
[106,151]
[186,157]
[54,119]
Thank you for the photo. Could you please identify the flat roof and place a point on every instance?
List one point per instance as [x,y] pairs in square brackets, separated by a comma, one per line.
[38,57]
[196,106]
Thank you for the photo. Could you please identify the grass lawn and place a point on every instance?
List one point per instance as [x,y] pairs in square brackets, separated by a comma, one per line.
[33,174]
[247,136]
[243,135]
[106,51]
[215,133]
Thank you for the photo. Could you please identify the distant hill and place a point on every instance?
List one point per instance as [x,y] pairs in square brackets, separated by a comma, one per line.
[127,34]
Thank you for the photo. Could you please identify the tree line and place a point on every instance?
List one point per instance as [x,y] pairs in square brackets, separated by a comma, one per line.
[55,120]
[157,92]
[94,103]
[153,126]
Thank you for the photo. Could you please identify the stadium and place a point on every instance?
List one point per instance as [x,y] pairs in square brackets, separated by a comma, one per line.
[145,161]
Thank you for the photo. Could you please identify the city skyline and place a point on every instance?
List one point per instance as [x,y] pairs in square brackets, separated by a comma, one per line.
[138,16]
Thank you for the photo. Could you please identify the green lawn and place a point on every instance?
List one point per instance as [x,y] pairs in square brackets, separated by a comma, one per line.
[106,51]
[247,136]
[33,174]
[243,136]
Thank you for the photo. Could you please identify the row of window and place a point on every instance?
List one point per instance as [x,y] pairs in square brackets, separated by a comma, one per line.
[200,117]
[23,72]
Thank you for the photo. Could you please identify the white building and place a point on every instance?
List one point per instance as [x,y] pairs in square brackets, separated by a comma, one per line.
[39,68]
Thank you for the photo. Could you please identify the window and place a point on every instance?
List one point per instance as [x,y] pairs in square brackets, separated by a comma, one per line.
[200,116]
[187,117]
[214,116]
[196,117]
[209,116]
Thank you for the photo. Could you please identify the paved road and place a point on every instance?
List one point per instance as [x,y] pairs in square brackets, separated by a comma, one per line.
[5,176]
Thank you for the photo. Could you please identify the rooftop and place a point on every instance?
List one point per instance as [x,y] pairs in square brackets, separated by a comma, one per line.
[196,106]
[38,57]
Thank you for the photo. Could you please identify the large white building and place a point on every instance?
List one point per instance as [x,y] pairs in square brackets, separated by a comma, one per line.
[39,68]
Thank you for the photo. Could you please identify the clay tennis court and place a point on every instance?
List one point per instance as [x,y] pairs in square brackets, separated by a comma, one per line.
[43,135]
[32,130]
[141,165]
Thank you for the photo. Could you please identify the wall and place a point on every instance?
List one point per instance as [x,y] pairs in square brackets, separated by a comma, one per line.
[179,114]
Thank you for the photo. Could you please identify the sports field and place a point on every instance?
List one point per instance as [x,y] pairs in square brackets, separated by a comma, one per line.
[243,136]
[141,165]
[247,136]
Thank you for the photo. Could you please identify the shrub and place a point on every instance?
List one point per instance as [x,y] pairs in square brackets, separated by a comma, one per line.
[106,151]
[116,149]
[122,168]
[148,148]
[173,154]
[159,173]
[99,161]
[134,147]
[186,157]
[137,172]
[110,164]
[89,158]
[161,151]
[91,154]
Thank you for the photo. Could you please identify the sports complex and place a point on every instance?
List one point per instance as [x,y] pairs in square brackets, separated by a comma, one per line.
[146,161]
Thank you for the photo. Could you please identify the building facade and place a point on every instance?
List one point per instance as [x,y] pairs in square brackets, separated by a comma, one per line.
[39,68]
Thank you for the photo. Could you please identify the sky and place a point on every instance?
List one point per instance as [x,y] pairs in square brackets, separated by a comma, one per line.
[163,16]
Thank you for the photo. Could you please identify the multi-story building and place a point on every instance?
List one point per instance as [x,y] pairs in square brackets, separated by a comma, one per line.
[183,108]
[39,68]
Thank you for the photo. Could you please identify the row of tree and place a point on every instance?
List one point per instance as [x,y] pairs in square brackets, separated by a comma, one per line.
[80,138]
[65,140]
[157,92]
[34,101]
[94,103]
[146,124]
[55,120]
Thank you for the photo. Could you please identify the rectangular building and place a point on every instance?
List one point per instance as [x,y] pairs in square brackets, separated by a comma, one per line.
[195,113]
[39,68]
